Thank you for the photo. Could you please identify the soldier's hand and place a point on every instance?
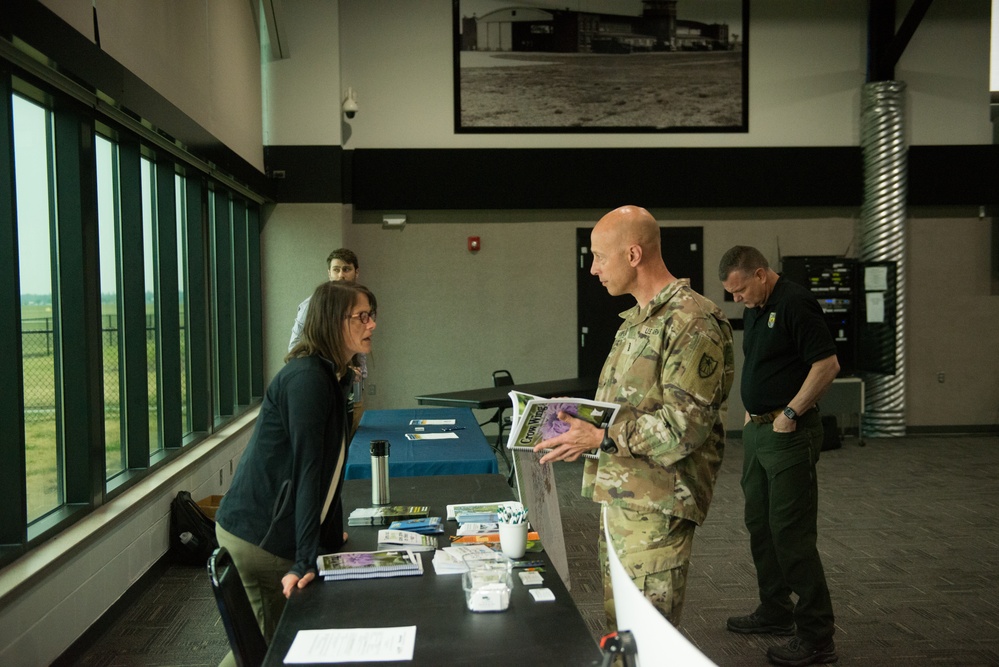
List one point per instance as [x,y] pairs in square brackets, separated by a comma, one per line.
[581,437]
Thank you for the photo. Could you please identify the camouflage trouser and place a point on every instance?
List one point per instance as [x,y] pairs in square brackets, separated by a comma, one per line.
[654,549]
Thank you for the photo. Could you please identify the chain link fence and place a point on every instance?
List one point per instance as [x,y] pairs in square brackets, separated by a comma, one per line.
[38,343]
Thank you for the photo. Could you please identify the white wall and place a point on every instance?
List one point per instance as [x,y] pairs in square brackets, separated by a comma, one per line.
[807,66]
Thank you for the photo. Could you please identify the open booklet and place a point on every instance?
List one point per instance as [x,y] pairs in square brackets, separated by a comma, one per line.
[535,419]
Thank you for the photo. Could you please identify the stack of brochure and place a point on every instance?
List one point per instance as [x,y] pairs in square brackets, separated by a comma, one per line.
[394,539]
[430,525]
[452,560]
[535,419]
[489,538]
[369,564]
[473,528]
[383,515]
[476,512]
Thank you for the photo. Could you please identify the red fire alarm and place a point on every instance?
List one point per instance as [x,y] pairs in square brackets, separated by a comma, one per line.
[473,244]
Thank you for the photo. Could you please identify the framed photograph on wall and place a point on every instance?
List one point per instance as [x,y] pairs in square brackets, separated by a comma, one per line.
[601,66]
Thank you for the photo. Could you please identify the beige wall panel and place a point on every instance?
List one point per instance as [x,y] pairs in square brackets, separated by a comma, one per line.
[78,14]
[164,43]
[302,92]
[235,108]
[203,56]
[448,318]
[294,244]
[952,323]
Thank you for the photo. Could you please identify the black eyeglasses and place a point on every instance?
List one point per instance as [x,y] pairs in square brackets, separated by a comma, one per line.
[365,316]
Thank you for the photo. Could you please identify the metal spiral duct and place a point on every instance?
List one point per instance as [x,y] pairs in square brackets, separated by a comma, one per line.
[882,238]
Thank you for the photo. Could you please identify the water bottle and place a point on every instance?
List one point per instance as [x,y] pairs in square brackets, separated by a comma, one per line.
[379,472]
[189,540]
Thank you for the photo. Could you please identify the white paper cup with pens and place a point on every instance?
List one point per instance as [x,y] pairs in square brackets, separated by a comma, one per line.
[513,530]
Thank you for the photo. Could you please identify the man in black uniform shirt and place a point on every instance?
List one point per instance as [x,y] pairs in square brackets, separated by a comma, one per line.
[790,361]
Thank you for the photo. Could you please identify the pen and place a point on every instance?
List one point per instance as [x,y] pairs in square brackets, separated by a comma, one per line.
[456,428]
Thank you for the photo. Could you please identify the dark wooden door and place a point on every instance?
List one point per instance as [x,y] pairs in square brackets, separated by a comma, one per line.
[597,311]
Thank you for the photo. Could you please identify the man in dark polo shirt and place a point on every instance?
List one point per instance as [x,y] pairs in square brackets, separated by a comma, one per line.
[790,361]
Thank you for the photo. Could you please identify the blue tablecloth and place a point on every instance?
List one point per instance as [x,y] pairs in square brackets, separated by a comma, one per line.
[469,454]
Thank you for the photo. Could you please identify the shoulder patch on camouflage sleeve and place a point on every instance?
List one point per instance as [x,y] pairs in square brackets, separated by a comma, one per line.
[707,366]
[702,374]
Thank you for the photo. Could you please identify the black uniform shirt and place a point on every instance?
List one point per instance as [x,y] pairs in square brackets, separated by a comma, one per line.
[781,341]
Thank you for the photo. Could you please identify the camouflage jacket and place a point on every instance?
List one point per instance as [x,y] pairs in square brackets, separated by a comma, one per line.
[670,368]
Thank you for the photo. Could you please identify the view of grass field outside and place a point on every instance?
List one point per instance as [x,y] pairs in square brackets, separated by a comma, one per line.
[33,152]
[44,397]
[38,342]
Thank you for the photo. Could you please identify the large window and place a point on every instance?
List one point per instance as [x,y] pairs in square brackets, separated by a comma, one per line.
[150,303]
[108,217]
[33,153]
[180,202]
[131,280]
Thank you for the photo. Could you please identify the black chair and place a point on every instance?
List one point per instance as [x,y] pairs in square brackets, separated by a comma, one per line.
[500,379]
[245,638]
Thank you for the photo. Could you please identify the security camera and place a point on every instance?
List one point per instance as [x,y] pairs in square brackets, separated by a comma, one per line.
[350,104]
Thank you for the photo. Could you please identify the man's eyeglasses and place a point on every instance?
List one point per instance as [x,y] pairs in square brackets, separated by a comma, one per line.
[365,316]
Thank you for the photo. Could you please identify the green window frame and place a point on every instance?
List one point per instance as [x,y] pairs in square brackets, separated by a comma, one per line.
[197,239]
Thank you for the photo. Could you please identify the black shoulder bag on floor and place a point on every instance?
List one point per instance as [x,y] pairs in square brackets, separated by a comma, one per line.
[192,533]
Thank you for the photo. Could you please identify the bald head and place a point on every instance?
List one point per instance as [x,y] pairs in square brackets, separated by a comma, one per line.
[627,256]
[631,225]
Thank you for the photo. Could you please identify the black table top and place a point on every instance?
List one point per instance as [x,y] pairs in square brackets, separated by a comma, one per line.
[529,632]
[498,397]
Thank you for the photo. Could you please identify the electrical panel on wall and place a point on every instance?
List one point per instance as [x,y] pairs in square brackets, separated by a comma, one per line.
[858,302]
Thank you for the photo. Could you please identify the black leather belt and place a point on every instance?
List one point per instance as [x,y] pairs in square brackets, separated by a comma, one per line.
[767,418]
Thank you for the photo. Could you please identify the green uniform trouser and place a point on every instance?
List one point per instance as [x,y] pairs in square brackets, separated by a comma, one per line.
[260,572]
[654,549]
[781,489]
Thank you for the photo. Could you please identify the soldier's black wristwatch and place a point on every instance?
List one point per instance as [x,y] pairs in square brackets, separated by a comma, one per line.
[790,413]
[607,445]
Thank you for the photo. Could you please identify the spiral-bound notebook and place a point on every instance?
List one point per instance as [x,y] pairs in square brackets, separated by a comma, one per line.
[369,564]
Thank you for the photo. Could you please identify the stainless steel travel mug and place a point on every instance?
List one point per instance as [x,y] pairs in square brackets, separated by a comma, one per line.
[380,472]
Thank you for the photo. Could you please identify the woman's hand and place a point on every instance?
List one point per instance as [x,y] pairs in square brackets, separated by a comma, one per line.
[290,582]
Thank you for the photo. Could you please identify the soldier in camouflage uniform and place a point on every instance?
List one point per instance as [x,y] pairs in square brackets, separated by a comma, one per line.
[670,368]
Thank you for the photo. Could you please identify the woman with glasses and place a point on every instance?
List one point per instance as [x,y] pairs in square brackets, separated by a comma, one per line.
[283,508]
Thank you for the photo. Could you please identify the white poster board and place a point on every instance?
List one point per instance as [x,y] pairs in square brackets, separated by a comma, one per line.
[538,493]
[658,642]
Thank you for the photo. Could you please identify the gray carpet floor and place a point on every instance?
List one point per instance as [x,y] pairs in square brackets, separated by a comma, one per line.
[908,531]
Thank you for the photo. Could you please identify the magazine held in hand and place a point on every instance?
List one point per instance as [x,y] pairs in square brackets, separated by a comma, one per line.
[535,419]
